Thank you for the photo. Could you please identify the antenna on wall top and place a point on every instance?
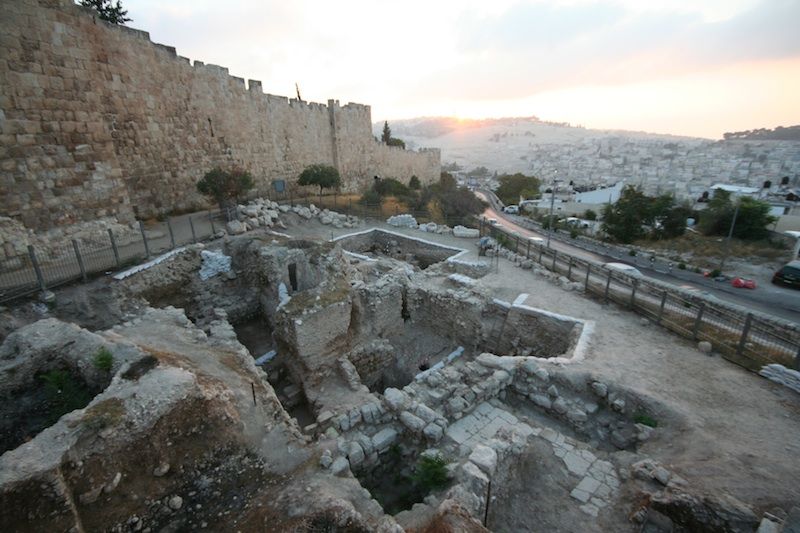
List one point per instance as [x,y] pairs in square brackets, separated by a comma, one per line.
[297,88]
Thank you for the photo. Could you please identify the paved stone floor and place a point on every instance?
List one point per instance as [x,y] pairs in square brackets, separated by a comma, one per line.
[597,481]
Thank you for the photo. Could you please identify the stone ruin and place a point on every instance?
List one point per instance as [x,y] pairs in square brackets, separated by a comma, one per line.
[281,384]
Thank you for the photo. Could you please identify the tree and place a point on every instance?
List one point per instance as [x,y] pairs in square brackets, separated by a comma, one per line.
[323,176]
[514,186]
[225,186]
[394,141]
[751,222]
[414,183]
[589,215]
[623,220]
[386,136]
[108,10]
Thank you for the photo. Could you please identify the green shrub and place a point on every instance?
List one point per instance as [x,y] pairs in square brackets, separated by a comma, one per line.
[632,252]
[64,393]
[681,266]
[414,183]
[696,270]
[573,233]
[647,420]
[715,273]
[225,186]
[103,359]
[431,473]
[370,197]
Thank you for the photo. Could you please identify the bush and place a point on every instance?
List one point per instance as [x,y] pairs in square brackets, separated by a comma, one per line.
[103,359]
[590,215]
[431,473]
[225,186]
[573,233]
[64,393]
[414,183]
[391,187]
[514,186]
[370,197]
[681,266]
[715,273]
[632,252]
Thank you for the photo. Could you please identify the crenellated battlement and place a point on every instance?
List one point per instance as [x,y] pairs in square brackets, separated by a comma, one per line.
[105,122]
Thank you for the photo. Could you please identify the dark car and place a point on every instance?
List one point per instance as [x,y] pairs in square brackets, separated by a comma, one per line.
[789,274]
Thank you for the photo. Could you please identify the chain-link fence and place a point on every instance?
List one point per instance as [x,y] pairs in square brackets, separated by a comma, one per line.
[743,338]
[43,268]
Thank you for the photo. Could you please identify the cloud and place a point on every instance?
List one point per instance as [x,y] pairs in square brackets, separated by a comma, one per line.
[531,48]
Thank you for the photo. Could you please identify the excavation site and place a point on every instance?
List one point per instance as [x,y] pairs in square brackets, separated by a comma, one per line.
[373,379]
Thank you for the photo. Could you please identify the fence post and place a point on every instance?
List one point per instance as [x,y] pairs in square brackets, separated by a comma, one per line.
[554,259]
[80,259]
[569,269]
[144,240]
[541,251]
[171,233]
[745,331]
[698,320]
[588,271]
[114,247]
[36,268]
[528,250]
[191,226]
[608,286]
[516,248]
[661,309]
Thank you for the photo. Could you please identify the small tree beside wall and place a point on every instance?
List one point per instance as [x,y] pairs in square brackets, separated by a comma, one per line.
[225,186]
[323,176]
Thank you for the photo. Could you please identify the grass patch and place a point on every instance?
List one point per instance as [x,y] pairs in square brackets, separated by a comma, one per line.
[104,414]
[103,359]
[707,250]
[647,420]
[64,393]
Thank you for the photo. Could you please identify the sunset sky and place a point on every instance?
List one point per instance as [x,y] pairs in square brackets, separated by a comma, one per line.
[688,67]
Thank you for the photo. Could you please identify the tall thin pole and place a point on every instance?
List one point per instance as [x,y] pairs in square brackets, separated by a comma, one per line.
[552,204]
[728,240]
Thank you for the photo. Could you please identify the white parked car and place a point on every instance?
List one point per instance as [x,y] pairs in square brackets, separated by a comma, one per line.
[512,209]
[536,240]
[625,269]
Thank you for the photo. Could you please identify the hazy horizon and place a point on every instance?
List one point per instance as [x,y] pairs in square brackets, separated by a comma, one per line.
[664,66]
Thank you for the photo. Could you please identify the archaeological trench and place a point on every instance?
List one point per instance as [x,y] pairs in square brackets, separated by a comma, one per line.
[370,382]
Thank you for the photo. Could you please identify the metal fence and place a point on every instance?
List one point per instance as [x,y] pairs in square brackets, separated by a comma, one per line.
[43,268]
[743,338]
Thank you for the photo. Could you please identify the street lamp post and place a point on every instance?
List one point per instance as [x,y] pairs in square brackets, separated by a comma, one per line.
[552,203]
[728,240]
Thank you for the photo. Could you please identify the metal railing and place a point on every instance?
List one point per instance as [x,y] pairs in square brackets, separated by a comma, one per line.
[744,338]
[43,268]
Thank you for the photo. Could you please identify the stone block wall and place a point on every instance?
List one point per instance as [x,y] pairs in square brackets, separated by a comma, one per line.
[96,120]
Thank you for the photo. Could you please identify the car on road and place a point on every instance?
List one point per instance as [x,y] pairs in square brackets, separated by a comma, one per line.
[625,269]
[536,240]
[512,209]
[789,274]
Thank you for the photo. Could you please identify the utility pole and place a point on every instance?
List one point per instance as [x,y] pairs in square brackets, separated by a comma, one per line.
[728,240]
[552,204]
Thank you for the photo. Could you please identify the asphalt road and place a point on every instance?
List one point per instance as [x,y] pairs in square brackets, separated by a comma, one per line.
[766,298]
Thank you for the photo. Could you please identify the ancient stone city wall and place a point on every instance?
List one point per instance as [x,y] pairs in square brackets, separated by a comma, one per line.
[98,121]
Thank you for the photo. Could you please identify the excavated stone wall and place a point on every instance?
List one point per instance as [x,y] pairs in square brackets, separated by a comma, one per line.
[96,120]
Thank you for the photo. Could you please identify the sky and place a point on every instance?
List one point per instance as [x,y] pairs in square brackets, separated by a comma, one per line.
[685,67]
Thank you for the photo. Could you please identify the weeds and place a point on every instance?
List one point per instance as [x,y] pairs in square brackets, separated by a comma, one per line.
[103,359]
[64,393]
[647,420]
[431,473]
